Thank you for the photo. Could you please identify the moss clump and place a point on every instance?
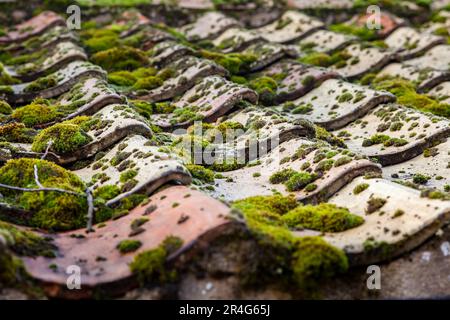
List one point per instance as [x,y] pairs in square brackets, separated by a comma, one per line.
[311,187]
[25,243]
[120,58]
[16,132]
[122,78]
[324,165]
[337,59]
[107,192]
[147,109]
[262,214]
[324,217]
[187,114]
[373,204]
[235,63]
[140,79]
[126,246]
[37,112]
[362,32]
[323,134]
[304,261]
[5,108]
[226,165]
[96,40]
[150,266]
[398,213]
[41,84]
[420,178]
[148,83]
[266,88]
[5,78]
[282,176]
[406,94]
[6,90]
[315,260]
[201,173]
[360,188]
[302,109]
[299,180]
[48,209]
[65,137]
[11,269]
[386,140]
[127,175]
[342,160]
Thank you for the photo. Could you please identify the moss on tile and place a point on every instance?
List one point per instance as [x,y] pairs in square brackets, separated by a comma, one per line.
[48,210]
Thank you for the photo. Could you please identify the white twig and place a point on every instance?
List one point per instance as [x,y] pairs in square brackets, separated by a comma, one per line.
[49,144]
[36,178]
[39,189]
[87,194]
[90,214]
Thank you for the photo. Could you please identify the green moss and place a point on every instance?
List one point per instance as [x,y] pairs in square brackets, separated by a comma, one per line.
[282,176]
[6,89]
[385,140]
[362,32]
[150,266]
[239,80]
[311,187]
[325,60]
[345,97]
[186,114]
[107,192]
[140,79]
[367,79]
[302,109]
[127,175]
[128,245]
[266,88]
[5,78]
[11,269]
[323,134]
[148,83]
[96,40]
[324,217]
[41,84]
[37,112]
[303,261]
[122,78]
[201,173]
[147,109]
[324,165]
[420,178]
[406,94]
[65,137]
[342,160]
[16,132]
[398,213]
[360,188]
[299,180]
[226,165]
[5,108]
[26,243]
[434,194]
[374,204]
[235,63]
[315,260]
[48,209]
[120,58]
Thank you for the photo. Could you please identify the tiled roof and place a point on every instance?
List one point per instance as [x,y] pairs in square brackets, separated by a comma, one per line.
[305,104]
